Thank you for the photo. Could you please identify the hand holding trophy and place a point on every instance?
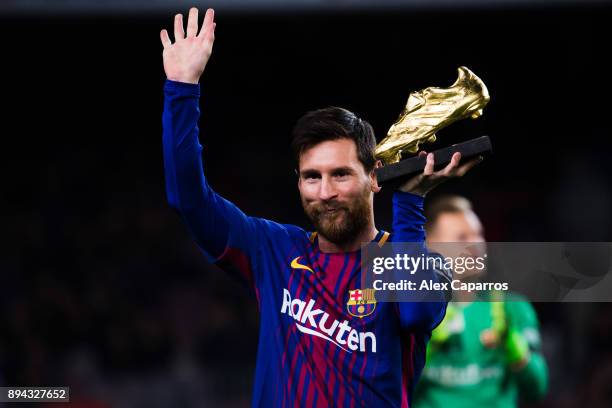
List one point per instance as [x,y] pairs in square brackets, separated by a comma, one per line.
[426,112]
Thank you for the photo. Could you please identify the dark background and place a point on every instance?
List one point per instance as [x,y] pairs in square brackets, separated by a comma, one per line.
[102,289]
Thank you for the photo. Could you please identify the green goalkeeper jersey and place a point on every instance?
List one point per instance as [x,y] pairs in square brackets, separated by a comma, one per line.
[467,357]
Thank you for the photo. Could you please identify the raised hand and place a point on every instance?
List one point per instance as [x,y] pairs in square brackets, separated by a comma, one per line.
[185,60]
[429,179]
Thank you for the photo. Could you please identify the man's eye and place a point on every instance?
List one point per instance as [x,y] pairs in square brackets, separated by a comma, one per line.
[341,174]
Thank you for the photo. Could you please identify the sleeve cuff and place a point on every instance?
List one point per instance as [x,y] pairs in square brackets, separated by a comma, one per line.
[182,88]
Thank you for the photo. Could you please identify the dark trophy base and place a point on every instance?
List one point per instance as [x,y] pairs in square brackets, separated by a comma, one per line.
[394,172]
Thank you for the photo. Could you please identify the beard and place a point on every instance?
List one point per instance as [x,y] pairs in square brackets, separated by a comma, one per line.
[340,222]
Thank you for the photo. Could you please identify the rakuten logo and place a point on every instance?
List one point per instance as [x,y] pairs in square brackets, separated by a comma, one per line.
[318,325]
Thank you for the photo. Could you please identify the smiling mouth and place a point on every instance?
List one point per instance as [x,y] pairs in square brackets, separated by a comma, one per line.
[332,211]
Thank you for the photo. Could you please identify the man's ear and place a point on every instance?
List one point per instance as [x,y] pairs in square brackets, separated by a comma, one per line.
[373,180]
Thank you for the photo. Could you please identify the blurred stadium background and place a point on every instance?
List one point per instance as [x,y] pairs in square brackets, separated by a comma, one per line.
[102,289]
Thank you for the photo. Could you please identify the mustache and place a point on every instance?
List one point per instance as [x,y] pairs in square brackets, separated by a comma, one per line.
[327,206]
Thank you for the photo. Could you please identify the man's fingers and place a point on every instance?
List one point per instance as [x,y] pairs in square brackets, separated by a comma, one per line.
[208,26]
[429,165]
[165,39]
[464,168]
[422,153]
[452,165]
[192,22]
[179,33]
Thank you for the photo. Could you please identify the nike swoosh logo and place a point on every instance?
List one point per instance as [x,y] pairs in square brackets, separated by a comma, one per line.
[296,265]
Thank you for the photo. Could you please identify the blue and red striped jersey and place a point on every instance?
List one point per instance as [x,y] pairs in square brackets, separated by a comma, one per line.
[323,340]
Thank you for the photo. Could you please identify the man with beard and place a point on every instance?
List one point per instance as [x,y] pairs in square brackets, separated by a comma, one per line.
[313,350]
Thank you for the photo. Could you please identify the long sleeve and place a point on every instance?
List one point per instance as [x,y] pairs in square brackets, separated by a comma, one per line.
[225,234]
[408,217]
[409,227]
[532,380]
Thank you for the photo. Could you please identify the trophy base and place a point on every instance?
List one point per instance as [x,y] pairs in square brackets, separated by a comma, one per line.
[473,147]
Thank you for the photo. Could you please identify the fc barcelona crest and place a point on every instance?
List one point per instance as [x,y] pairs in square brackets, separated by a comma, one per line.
[361,302]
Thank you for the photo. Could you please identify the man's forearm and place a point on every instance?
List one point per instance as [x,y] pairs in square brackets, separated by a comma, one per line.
[186,187]
[180,139]
[532,379]
[408,217]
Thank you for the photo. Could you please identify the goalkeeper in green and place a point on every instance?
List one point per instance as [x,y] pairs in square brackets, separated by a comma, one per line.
[483,354]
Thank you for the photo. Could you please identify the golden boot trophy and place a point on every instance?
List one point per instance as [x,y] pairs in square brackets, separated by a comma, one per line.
[426,112]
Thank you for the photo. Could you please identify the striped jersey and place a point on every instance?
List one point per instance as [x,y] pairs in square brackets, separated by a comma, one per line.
[323,340]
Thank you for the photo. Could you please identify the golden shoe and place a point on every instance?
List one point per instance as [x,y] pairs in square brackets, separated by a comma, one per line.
[430,110]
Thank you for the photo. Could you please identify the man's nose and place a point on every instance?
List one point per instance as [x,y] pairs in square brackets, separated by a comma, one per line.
[327,190]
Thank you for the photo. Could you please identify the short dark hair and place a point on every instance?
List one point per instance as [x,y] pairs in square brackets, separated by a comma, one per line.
[334,123]
[445,204]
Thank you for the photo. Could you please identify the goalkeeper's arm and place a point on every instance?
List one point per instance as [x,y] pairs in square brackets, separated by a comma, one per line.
[522,347]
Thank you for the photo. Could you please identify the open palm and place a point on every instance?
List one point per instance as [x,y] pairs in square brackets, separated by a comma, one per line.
[186,58]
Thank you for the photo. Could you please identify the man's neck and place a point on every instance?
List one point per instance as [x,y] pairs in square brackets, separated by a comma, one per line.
[367,235]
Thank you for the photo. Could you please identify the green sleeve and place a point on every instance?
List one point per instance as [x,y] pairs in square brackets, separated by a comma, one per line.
[532,379]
